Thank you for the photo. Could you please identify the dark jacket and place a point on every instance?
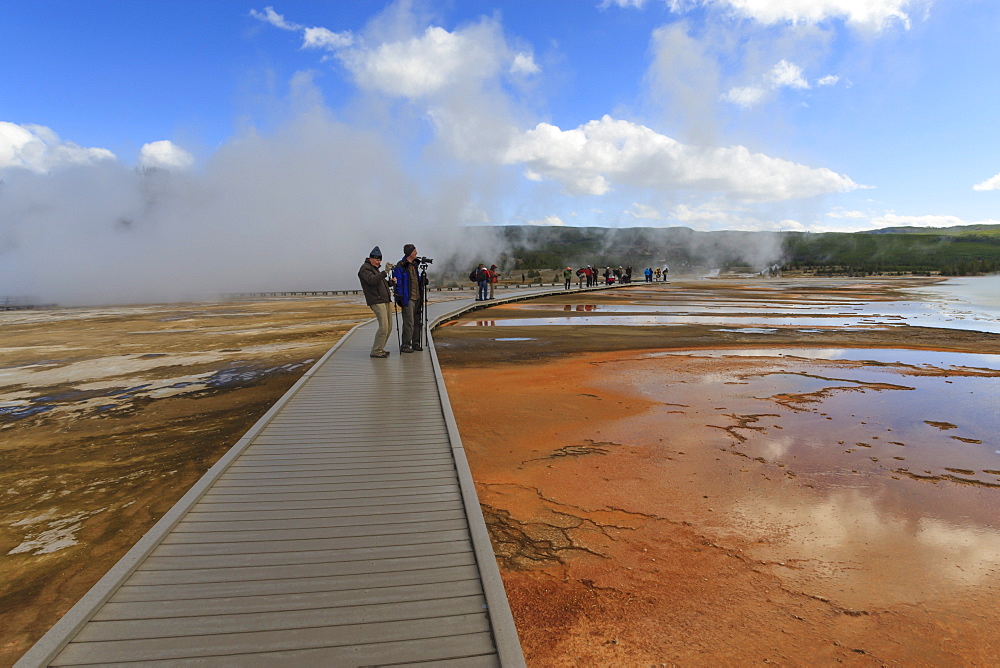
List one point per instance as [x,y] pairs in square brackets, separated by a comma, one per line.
[407,282]
[401,272]
[374,285]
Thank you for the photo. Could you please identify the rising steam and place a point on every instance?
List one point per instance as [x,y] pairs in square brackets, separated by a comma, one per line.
[297,210]
[432,143]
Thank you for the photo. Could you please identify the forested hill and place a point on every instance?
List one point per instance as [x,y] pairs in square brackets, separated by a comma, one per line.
[950,251]
[957,230]
[955,252]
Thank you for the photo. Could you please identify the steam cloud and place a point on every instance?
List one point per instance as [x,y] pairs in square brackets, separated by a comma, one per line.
[297,210]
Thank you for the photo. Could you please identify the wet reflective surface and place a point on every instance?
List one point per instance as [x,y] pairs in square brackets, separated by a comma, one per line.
[966,304]
[838,321]
[889,459]
[842,421]
[882,476]
[861,474]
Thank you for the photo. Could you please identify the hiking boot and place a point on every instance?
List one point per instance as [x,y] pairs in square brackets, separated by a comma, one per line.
[417,347]
[380,354]
[406,349]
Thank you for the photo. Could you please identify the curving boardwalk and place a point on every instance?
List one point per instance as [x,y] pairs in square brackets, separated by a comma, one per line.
[342,530]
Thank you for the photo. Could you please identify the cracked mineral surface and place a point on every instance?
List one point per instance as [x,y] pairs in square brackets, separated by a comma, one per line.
[675,493]
[108,415]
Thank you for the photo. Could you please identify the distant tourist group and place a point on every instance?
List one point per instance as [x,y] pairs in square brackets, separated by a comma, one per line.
[590,276]
[485,280]
[404,285]
[657,274]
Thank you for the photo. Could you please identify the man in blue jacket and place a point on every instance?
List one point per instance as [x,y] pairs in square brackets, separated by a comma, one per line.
[408,298]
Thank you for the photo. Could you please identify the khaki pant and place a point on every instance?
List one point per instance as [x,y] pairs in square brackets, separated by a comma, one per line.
[383,312]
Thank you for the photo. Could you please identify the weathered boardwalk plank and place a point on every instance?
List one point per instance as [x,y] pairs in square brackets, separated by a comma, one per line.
[343,529]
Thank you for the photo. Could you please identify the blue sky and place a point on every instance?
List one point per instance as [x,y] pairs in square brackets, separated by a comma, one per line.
[817,115]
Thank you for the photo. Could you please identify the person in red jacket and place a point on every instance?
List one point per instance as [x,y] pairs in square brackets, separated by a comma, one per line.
[494,275]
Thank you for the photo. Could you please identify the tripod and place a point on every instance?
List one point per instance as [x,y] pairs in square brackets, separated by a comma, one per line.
[421,325]
[395,311]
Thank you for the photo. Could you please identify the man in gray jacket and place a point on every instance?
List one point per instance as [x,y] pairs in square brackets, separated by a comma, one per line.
[375,285]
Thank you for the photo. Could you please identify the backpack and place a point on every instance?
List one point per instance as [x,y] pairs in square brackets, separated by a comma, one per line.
[474,275]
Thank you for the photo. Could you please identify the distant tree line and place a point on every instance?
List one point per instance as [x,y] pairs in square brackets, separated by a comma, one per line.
[953,252]
[862,253]
[531,247]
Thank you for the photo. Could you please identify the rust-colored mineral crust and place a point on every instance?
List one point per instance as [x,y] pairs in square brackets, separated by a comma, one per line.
[721,501]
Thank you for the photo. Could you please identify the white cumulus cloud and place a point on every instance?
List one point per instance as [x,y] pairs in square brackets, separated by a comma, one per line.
[39,149]
[274,18]
[989,184]
[524,63]
[744,96]
[312,38]
[866,14]
[418,66]
[592,158]
[840,212]
[426,64]
[622,3]
[782,75]
[456,78]
[165,154]
[720,215]
[550,221]
[641,211]
[701,215]
[787,74]
[929,220]
[323,38]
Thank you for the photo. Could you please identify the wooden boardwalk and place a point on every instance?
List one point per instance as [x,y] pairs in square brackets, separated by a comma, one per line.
[343,529]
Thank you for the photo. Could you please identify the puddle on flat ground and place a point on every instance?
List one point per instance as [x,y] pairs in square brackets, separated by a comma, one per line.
[897,453]
[767,304]
[970,299]
[866,479]
[924,359]
[923,414]
[837,321]
[665,307]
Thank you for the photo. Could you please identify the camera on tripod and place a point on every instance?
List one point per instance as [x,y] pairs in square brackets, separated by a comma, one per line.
[424,260]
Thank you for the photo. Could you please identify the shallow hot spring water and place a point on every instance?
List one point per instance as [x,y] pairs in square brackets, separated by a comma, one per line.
[880,467]
[746,313]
